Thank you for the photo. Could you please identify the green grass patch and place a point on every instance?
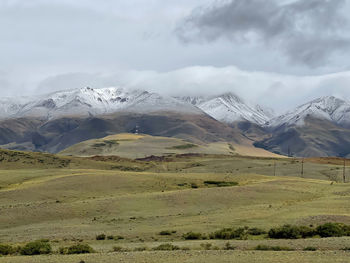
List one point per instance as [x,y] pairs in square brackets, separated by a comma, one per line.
[183,146]
[220,183]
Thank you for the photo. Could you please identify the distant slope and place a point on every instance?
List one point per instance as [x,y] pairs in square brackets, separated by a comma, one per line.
[139,146]
[316,137]
[57,134]
[317,128]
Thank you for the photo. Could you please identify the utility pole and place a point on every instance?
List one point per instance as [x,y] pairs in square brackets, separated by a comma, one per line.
[274,168]
[302,167]
[344,170]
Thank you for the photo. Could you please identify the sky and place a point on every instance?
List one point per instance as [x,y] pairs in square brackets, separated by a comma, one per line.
[278,53]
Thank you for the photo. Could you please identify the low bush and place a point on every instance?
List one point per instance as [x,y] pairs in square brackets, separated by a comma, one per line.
[194,186]
[291,232]
[230,233]
[193,236]
[101,237]
[6,250]
[36,248]
[207,246]
[119,249]
[272,248]
[333,230]
[76,249]
[310,249]
[165,233]
[256,231]
[140,248]
[167,247]
[110,237]
[220,183]
[228,246]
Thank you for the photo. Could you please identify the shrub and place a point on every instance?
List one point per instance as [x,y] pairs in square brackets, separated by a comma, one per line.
[256,231]
[220,183]
[36,248]
[6,250]
[228,246]
[165,233]
[194,185]
[285,232]
[272,248]
[110,237]
[140,249]
[310,249]
[331,230]
[193,236]
[167,247]
[207,246]
[119,249]
[101,237]
[77,249]
[229,233]
[306,231]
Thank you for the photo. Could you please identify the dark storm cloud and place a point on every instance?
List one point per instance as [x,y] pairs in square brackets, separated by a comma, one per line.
[308,32]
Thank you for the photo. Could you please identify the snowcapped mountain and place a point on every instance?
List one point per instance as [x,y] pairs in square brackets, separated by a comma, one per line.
[88,101]
[329,108]
[226,108]
[230,108]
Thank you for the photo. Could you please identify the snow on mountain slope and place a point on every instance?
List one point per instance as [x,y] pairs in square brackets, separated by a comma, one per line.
[329,108]
[88,101]
[230,108]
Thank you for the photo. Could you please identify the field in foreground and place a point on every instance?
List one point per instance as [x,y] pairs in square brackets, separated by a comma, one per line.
[70,200]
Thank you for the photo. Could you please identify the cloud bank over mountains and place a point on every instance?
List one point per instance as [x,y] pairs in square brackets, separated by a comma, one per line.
[277,91]
[276,52]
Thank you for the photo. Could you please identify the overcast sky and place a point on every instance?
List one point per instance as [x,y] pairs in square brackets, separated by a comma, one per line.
[278,53]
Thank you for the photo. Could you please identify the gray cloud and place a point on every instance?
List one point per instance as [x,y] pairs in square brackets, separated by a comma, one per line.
[307,32]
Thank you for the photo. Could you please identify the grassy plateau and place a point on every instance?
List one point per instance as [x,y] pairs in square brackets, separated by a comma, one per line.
[164,208]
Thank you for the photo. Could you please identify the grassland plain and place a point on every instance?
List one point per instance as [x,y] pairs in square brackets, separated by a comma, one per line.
[69,200]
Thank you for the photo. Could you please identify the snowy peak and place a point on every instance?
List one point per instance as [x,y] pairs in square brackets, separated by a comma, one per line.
[329,108]
[88,101]
[230,108]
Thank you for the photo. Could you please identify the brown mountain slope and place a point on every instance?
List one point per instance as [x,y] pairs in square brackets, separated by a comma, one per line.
[58,134]
[316,138]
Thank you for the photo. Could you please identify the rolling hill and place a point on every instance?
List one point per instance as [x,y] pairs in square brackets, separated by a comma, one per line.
[141,145]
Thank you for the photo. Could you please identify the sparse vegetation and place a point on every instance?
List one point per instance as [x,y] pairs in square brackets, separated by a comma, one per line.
[193,236]
[76,249]
[167,247]
[36,248]
[6,250]
[230,233]
[272,248]
[310,249]
[184,146]
[101,237]
[220,183]
[165,233]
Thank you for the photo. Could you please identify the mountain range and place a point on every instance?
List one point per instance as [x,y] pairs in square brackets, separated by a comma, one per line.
[55,121]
